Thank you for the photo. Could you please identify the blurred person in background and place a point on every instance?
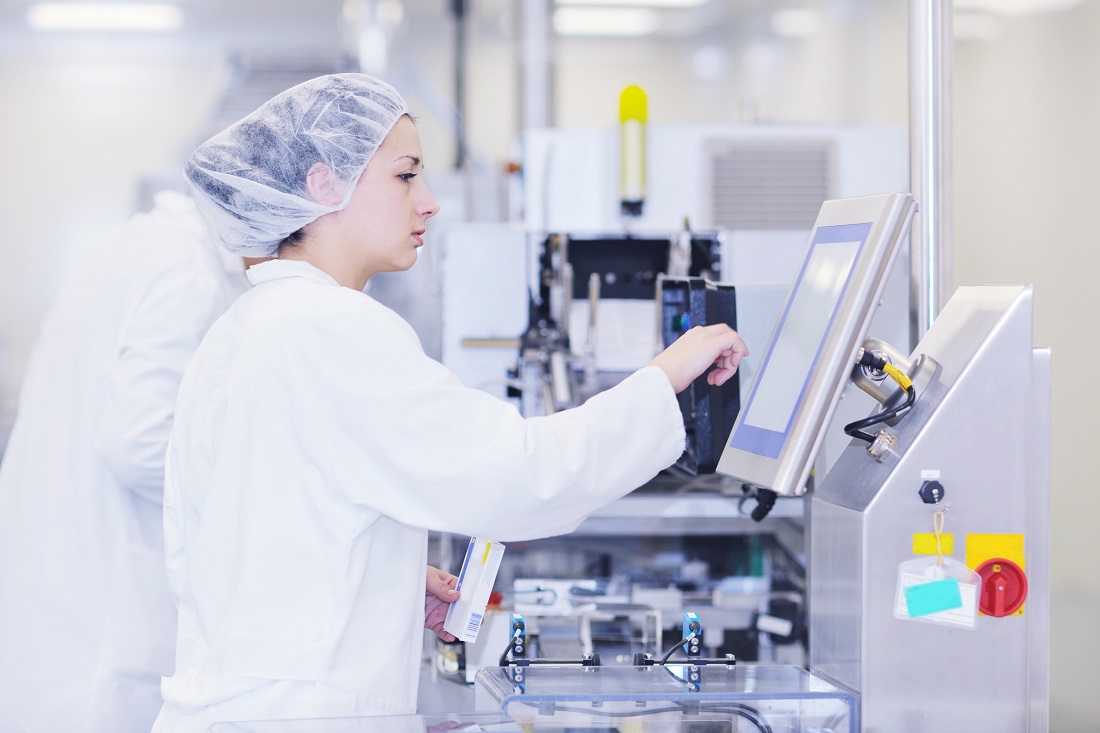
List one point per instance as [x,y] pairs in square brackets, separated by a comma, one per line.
[86,621]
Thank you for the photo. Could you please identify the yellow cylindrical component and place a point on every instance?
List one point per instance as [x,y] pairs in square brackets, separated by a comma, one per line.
[632,104]
[632,119]
[898,376]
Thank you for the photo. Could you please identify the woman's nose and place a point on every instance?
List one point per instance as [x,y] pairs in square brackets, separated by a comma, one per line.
[429,207]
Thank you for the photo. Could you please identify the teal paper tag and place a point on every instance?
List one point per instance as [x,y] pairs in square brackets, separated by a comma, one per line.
[938,595]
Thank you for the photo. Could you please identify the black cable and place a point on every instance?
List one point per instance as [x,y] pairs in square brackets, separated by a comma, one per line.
[504,657]
[765,500]
[855,429]
[679,679]
[750,714]
[676,646]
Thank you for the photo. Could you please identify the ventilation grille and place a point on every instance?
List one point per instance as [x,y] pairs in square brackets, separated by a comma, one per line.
[771,185]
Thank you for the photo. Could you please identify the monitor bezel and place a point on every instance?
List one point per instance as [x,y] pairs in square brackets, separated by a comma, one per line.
[786,473]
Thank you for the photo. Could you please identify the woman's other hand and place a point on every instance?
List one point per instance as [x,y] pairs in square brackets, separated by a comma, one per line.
[439,594]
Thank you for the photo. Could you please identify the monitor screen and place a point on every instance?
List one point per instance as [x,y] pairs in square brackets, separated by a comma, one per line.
[825,275]
[812,348]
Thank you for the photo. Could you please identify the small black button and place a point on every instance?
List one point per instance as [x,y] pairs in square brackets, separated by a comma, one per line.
[931,492]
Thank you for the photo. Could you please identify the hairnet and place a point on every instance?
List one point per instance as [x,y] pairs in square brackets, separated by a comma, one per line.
[249,180]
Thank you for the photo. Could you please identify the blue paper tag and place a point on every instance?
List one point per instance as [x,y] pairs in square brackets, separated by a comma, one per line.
[938,595]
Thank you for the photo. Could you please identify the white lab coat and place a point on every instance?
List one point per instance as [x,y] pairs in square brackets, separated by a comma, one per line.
[87,624]
[314,447]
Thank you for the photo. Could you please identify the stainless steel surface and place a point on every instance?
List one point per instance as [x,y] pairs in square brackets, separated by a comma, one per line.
[931,106]
[915,676]
[1039,603]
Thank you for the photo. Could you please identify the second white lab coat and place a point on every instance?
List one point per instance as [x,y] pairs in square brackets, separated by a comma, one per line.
[315,446]
[87,625]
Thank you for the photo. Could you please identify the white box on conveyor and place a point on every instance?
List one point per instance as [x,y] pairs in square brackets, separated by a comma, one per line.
[475,583]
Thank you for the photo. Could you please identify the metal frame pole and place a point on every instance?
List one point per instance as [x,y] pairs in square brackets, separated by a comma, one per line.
[931,261]
[536,68]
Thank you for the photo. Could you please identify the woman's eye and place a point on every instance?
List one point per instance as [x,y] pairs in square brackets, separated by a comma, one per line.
[406,177]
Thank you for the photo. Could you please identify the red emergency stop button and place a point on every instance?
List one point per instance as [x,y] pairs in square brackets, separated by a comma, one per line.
[1004,587]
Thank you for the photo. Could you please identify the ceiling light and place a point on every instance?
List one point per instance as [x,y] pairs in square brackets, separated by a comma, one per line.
[636,3]
[578,21]
[133,17]
[797,23]
[1015,8]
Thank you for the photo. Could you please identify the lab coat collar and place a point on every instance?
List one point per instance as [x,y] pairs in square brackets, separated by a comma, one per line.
[279,269]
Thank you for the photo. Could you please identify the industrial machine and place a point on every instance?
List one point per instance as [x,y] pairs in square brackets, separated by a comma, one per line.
[929,592]
[908,539]
[551,310]
[959,507]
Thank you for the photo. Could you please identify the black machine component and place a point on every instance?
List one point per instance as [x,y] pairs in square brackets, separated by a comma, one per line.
[765,500]
[585,660]
[628,266]
[709,412]
[644,659]
[931,492]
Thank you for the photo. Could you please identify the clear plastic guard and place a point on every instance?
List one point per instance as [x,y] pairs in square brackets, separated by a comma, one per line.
[775,697]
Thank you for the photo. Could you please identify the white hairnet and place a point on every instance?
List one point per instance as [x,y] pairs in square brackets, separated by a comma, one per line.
[249,180]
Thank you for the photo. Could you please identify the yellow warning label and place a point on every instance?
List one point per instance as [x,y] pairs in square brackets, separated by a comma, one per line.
[924,543]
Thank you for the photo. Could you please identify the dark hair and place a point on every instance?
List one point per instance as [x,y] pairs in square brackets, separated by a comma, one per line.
[294,239]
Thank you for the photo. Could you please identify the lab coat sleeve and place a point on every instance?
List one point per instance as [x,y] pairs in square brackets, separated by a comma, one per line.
[164,329]
[409,441]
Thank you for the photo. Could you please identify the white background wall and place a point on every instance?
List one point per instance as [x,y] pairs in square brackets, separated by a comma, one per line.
[81,122]
[78,130]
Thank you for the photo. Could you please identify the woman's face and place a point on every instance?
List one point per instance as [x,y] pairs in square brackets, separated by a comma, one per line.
[389,210]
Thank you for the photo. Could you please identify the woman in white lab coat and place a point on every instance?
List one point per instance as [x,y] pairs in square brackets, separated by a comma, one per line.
[315,444]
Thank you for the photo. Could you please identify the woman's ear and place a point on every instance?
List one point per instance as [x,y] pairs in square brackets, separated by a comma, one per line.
[323,186]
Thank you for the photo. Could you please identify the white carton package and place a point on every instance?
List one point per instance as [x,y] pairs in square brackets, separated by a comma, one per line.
[475,583]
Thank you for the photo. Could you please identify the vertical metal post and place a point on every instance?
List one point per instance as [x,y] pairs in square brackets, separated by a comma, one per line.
[536,68]
[1038,553]
[458,12]
[931,54]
